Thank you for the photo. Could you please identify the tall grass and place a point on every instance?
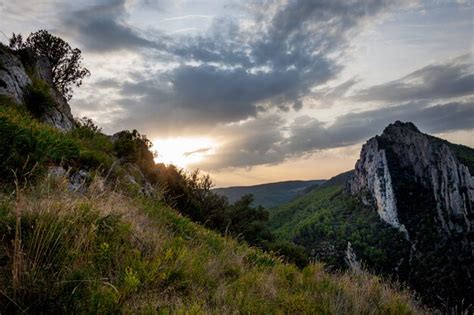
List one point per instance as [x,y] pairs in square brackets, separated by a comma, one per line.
[103,252]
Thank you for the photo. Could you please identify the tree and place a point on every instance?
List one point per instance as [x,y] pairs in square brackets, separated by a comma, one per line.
[65,61]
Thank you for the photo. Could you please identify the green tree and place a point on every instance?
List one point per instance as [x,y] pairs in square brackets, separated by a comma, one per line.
[66,62]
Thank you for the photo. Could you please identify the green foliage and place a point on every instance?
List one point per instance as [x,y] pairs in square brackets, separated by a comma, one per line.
[78,257]
[326,219]
[132,147]
[97,150]
[38,99]
[465,155]
[28,146]
[272,194]
[65,61]
[292,253]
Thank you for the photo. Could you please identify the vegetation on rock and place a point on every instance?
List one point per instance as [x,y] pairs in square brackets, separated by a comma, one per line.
[66,62]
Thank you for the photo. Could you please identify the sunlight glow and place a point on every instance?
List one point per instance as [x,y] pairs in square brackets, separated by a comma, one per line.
[182,151]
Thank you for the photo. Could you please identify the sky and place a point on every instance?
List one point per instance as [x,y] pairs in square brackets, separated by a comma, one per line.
[260,91]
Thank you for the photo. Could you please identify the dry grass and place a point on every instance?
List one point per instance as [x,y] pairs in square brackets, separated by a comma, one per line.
[104,252]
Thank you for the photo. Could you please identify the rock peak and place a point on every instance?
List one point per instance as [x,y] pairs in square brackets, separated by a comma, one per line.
[418,185]
[399,125]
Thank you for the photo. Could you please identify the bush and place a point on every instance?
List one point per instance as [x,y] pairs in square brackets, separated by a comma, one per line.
[38,99]
[96,148]
[27,147]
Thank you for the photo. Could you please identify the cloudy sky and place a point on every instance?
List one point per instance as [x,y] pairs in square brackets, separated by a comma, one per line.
[258,91]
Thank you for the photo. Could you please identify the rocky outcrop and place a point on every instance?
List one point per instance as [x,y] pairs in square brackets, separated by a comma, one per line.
[13,77]
[418,185]
[14,83]
[59,115]
[372,178]
[433,165]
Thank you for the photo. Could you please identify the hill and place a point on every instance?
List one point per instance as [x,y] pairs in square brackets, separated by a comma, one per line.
[90,224]
[271,194]
[405,211]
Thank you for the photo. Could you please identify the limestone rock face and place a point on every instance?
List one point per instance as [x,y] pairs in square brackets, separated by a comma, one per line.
[419,186]
[14,82]
[60,114]
[13,78]
[433,165]
[372,176]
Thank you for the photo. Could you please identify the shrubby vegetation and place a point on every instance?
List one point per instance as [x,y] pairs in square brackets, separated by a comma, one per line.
[31,147]
[325,220]
[38,98]
[66,62]
[27,146]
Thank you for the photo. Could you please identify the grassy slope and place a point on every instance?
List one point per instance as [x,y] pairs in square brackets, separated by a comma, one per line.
[271,194]
[103,252]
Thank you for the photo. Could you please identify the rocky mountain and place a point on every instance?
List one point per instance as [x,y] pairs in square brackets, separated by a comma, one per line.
[420,187]
[406,211]
[23,77]
[270,194]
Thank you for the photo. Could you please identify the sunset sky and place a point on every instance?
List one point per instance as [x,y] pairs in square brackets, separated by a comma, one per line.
[262,91]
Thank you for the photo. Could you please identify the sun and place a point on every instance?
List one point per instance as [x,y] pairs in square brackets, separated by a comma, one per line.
[182,151]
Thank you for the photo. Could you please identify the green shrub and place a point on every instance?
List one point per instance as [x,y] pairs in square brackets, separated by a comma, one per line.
[38,99]
[28,147]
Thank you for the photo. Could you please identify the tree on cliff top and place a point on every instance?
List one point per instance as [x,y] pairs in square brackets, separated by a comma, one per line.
[65,61]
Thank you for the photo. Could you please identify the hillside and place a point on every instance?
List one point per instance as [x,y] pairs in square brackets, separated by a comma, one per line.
[271,194]
[90,224]
[405,212]
[103,252]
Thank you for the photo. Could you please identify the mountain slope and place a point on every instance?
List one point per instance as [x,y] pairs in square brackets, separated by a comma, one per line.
[271,194]
[407,211]
[326,219]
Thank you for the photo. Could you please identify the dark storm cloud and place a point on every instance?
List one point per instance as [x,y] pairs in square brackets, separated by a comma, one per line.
[102,27]
[234,72]
[436,81]
[264,141]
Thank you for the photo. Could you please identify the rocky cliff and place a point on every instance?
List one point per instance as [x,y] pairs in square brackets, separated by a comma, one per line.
[418,185]
[16,83]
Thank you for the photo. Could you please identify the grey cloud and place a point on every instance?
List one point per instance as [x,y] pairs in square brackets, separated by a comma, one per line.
[307,134]
[356,127]
[436,81]
[238,72]
[101,27]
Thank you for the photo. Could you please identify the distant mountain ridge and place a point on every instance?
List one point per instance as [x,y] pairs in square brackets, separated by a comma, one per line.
[270,195]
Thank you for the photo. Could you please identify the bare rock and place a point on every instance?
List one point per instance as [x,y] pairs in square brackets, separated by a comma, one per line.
[13,78]
[14,82]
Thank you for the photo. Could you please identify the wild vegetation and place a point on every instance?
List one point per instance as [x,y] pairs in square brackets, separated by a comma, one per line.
[104,252]
[272,194]
[325,220]
[66,62]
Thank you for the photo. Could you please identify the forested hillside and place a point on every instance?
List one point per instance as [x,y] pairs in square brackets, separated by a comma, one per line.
[271,194]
